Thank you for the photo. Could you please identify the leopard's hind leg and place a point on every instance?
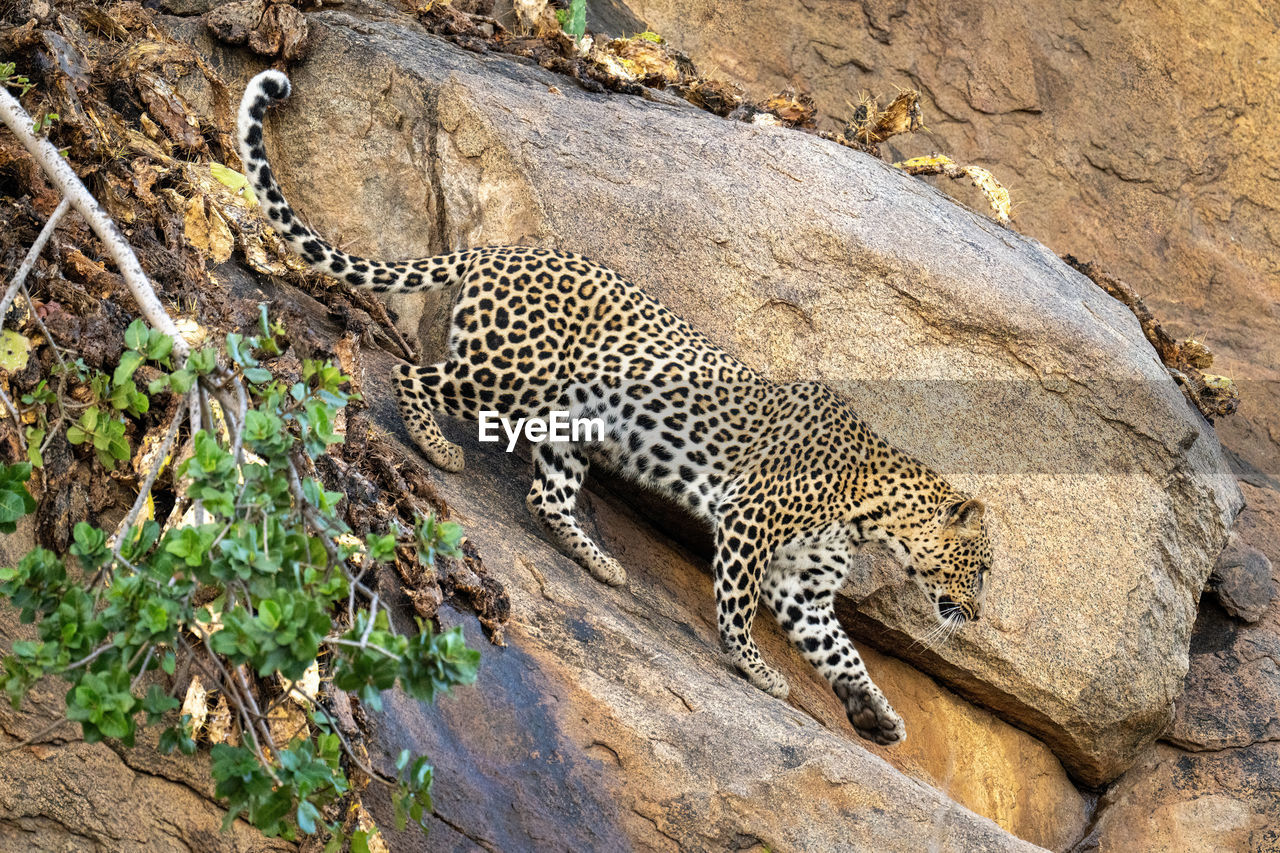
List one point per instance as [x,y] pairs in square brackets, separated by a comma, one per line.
[740,560]
[422,391]
[559,471]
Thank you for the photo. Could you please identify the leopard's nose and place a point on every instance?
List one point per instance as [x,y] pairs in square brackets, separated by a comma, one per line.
[948,609]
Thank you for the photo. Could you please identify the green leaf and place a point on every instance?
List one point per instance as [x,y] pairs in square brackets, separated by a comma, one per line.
[13,506]
[15,500]
[268,588]
[159,345]
[130,360]
[157,703]
[178,737]
[182,380]
[135,337]
[191,544]
[240,349]
[202,361]
[35,438]
[270,613]
[90,546]
[381,548]
[307,816]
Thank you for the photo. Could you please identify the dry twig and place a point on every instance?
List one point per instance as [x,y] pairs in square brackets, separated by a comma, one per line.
[939,164]
[1214,396]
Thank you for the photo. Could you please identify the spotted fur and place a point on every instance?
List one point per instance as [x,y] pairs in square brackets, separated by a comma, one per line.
[790,479]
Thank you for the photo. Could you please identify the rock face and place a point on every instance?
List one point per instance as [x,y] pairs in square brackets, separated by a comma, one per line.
[976,759]
[1173,801]
[1233,689]
[611,721]
[1215,783]
[966,344]
[1242,581]
[1134,135]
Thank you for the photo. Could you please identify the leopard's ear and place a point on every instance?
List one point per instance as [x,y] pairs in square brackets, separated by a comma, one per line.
[964,518]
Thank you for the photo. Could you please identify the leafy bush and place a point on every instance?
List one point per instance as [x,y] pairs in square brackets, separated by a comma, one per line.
[242,582]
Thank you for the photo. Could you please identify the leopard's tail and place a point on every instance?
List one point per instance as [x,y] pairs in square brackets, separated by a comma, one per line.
[435,273]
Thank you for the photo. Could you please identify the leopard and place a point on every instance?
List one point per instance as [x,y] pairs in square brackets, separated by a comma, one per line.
[791,482]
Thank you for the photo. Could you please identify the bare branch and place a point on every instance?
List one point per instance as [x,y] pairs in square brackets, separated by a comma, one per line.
[17,422]
[34,252]
[44,330]
[332,722]
[89,657]
[62,176]
[145,489]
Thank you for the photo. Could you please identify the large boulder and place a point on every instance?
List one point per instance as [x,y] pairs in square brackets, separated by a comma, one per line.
[1172,801]
[1215,784]
[962,342]
[1133,134]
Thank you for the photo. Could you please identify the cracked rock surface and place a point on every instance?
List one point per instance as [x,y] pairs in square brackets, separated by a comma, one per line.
[1135,136]
[611,721]
[1213,783]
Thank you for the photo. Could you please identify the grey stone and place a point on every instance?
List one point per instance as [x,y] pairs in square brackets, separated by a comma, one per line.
[1242,581]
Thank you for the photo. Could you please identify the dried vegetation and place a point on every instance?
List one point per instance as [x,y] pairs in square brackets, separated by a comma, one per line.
[145,122]
[1214,396]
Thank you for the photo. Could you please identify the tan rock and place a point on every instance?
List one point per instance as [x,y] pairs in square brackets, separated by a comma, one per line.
[1216,786]
[977,759]
[1172,801]
[1109,498]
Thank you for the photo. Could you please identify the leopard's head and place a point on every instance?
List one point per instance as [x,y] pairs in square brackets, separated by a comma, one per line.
[951,558]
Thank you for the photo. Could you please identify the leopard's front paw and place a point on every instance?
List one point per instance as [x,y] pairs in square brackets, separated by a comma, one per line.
[607,569]
[445,455]
[870,714]
[769,680]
